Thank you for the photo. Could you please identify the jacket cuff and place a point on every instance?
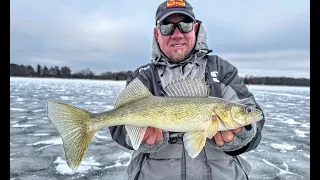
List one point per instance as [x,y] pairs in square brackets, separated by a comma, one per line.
[240,140]
[157,146]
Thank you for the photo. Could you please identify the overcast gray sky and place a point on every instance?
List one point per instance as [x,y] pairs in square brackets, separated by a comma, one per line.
[260,37]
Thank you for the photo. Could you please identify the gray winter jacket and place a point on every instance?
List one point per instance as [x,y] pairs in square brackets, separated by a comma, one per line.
[168,159]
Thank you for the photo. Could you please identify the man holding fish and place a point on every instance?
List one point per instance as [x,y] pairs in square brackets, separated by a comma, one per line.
[186,115]
[180,50]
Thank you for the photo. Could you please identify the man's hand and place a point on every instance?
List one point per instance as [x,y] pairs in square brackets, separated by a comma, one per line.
[225,136]
[152,135]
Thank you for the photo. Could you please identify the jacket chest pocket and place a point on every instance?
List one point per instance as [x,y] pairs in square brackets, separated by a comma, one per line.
[225,167]
[165,164]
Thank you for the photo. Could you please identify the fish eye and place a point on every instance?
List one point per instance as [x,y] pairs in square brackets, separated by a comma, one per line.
[248,109]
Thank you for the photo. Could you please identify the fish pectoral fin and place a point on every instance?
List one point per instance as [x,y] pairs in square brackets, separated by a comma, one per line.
[212,128]
[194,142]
[136,135]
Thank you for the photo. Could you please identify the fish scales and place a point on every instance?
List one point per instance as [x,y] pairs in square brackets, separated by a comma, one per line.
[171,114]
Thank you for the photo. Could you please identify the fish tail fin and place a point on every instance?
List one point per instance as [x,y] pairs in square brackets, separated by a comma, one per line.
[73,125]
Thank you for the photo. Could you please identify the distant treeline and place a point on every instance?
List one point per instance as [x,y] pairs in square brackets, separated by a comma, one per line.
[65,72]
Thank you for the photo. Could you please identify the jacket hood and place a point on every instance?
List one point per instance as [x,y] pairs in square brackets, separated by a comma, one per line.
[201,47]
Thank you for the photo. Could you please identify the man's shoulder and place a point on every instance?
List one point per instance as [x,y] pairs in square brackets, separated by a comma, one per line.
[144,67]
[144,71]
[216,59]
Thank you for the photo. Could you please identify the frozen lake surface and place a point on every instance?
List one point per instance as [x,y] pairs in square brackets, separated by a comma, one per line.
[36,150]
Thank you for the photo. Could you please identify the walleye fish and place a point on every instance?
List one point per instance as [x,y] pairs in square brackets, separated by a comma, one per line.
[186,108]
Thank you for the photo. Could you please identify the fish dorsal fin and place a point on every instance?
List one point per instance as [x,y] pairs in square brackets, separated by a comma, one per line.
[134,91]
[187,87]
[136,135]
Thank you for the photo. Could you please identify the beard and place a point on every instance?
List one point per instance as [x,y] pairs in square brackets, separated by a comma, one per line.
[178,56]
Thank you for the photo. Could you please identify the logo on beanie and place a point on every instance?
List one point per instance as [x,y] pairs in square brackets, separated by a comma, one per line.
[176,3]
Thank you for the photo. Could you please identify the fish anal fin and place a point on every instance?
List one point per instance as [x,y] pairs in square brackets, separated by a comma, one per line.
[136,135]
[194,142]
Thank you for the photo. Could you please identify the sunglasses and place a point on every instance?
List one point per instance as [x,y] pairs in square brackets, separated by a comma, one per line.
[167,29]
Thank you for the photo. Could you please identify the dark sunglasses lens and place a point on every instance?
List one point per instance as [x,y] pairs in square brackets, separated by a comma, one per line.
[167,29]
[185,27]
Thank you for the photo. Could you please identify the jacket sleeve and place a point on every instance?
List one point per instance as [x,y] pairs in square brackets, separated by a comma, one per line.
[119,134]
[234,89]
